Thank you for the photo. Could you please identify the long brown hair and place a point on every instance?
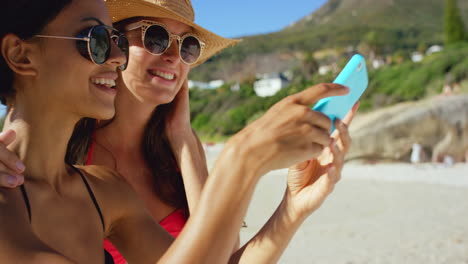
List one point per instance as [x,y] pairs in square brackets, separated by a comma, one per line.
[169,185]
[168,182]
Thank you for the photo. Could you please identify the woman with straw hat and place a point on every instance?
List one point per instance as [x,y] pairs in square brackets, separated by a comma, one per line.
[161,157]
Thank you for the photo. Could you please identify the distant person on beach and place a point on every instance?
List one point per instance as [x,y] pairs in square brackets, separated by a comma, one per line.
[289,126]
[447,90]
[417,153]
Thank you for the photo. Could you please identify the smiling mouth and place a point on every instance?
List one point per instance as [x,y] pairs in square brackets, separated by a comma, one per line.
[109,83]
[164,75]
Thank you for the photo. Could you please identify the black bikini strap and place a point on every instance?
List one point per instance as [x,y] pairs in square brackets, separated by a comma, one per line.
[26,201]
[90,191]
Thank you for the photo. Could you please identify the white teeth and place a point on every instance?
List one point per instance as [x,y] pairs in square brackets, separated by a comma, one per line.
[102,81]
[165,75]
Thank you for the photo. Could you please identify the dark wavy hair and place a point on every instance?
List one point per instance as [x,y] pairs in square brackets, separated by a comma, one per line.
[155,146]
[24,18]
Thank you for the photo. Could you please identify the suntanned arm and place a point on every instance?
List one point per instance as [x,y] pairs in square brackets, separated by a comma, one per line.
[309,184]
[186,146]
[187,149]
[140,240]
[213,228]
[290,133]
[209,235]
[192,163]
[269,243]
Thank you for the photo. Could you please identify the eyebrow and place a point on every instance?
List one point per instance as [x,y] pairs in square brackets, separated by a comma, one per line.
[92,19]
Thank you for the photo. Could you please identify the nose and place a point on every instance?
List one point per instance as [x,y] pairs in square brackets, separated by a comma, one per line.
[117,57]
[172,53]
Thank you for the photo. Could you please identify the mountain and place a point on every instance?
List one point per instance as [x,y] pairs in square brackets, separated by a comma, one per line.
[400,14]
[338,24]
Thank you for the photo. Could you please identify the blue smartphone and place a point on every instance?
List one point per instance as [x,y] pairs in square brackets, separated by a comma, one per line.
[354,76]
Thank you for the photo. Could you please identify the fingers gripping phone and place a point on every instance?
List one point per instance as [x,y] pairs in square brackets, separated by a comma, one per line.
[354,76]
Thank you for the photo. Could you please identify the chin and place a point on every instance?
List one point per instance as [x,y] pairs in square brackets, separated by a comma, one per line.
[161,97]
[107,115]
[103,112]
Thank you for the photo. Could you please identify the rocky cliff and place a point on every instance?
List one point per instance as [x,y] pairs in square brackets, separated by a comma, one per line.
[439,124]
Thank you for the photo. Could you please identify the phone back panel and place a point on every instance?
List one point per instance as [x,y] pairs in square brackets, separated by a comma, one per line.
[354,76]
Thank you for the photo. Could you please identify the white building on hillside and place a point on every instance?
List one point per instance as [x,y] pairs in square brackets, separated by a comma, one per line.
[417,56]
[434,49]
[270,84]
[377,63]
[206,85]
[325,69]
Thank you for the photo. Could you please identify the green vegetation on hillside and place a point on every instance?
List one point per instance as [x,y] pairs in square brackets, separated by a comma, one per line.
[223,112]
[454,27]
[412,81]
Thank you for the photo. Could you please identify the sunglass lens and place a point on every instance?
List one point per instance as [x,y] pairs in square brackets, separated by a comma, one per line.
[122,43]
[190,50]
[99,44]
[156,39]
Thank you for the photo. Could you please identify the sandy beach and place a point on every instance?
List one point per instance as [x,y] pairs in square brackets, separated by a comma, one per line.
[383,213]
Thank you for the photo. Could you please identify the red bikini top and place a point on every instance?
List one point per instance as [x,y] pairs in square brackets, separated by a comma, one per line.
[173,223]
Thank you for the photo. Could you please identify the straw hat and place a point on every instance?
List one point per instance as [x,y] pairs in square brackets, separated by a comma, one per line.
[180,10]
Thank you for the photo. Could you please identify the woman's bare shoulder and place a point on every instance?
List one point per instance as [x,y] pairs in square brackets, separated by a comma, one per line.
[115,196]
[107,183]
[12,208]
[18,243]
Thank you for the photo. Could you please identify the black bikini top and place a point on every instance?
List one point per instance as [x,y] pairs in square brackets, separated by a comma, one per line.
[108,257]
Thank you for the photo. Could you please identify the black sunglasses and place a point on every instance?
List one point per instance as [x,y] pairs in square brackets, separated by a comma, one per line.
[157,39]
[95,44]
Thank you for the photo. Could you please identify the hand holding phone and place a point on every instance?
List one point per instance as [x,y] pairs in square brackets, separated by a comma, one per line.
[354,76]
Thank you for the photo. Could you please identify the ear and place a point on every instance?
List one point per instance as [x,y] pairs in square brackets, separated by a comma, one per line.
[17,55]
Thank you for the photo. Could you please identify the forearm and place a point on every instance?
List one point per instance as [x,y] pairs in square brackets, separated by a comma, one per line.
[192,163]
[212,230]
[270,242]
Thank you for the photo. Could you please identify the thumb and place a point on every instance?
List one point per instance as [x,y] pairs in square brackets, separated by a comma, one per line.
[7,137]
[313,94]
[350,115]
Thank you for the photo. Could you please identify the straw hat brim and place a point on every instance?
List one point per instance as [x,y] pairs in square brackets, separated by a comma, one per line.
[120,10]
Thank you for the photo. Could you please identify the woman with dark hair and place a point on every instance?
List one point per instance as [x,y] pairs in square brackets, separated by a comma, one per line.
[43,83]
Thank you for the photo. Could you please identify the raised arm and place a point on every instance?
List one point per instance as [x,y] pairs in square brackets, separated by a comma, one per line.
[287,134]
[186,147]
[309,183]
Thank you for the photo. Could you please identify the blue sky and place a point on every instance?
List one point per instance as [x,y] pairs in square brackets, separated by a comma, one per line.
[235,18]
